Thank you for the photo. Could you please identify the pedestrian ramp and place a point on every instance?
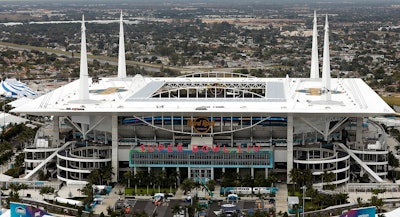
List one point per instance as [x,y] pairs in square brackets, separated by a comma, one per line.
[360,162]
[44,162]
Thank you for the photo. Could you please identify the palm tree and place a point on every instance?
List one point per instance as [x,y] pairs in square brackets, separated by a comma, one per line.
[187,185]
[151,180]
[342,197]
[126,178]
[14,195]
[378,202]
[272,179]
[248,181]
[259,180]
[88,191]
[141,177]
[98,176]
[360,202]
[46,190]
[196,186]
[162,179]
[14,192]
[211,184]
[294,176]
[172,180]
[328,177]
[94,177]
[106,174]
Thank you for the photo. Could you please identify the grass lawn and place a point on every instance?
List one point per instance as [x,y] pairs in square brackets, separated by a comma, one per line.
[391,100]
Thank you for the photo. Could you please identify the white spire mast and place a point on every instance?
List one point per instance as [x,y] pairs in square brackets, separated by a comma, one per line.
[326,66]
[314,53]
[83,75]
[121,53]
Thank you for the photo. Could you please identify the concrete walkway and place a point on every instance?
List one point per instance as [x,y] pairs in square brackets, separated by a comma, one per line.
[109,200]
[281,198]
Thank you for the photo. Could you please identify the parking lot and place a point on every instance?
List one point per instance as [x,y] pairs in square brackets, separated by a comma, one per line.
[166,207]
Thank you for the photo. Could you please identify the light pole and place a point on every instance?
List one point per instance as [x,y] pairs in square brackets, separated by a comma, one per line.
[304,198]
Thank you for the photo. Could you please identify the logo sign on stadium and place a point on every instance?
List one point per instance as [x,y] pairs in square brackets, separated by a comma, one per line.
[216,89]
[201,124]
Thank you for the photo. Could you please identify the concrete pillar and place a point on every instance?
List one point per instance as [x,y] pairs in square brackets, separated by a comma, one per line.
[252,172]
[266,173]
[188,172]
[176,178]
[326,131]
[359,130]
[84,131]
[289,138]
[212,173]
[94,135]
[105,138]
[237,170]
[56,130]
[114,149]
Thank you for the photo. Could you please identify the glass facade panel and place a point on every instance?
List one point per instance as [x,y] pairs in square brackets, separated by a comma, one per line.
[260,159]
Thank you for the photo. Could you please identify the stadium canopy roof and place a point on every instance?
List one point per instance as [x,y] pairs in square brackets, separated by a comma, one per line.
[15,89]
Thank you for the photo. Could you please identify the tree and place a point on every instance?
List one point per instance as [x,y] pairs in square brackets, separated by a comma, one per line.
[187,185]
[294,176]
[328,177]
[88,191]
[248,181]
[378,202]
[393,162]
[101,175]
[46,190]
[172,179]
[80,211]
[127,177]
[342,198]
[259,180]
[211,184]
[14,192]
[360,202]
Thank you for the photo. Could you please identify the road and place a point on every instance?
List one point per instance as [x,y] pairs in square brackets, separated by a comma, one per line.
[114,60]
[101,59]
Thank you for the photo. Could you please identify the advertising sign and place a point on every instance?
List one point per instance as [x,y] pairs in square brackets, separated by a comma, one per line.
[25,210]
[360,212]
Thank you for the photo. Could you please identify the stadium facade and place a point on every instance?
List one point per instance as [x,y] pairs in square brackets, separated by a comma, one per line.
[210,123]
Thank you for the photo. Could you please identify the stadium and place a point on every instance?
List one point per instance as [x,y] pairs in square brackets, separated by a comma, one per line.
[207,124]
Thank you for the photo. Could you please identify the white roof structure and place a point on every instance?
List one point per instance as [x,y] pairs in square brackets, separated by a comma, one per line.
[5,213]
[5,178]
[293,200]
[6,119]
[20,102]
[145,95]
[393,213]
[210,92]
[15,89]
